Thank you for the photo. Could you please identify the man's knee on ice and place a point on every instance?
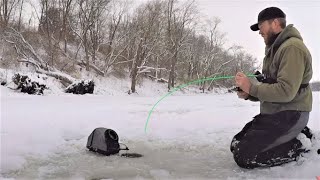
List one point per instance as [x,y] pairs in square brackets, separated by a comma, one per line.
[234,144]
[243,158]
[245,162]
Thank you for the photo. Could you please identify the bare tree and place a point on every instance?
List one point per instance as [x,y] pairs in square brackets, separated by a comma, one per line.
[236,49]
[49,25]
[90,16]
[20,15]
[179,27]
[212,58]
[27,53]
[120,37]
[65,7]
[7,8]
[148,27]
[118,10]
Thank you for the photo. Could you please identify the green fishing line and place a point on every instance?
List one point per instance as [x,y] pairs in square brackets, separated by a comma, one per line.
[184,85]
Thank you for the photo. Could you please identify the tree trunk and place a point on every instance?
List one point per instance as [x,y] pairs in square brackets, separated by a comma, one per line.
[204,82]
[5,13]
[19,23]
[136,63]
[172,70]
[189,71]
[85,43]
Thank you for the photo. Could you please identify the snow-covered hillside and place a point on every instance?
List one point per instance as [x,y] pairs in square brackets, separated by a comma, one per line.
[110,86]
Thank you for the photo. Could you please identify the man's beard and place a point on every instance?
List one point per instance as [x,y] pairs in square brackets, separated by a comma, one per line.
[271,38]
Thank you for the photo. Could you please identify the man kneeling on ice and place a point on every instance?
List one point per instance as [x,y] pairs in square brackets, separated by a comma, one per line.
[270,139]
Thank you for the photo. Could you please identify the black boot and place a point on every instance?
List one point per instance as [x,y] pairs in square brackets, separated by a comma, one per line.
[309,135]
[307,132]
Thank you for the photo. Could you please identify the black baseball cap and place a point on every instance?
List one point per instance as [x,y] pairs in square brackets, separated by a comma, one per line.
[266,14]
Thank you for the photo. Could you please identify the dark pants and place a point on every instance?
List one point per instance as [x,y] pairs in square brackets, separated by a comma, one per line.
[269,139]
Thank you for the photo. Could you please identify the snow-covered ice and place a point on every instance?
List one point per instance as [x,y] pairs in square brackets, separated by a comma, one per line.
[188,137]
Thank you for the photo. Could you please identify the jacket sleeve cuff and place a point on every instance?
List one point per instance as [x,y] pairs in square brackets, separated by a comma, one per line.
[254,90]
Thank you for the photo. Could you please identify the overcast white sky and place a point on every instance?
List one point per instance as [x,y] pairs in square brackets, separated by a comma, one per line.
[237,16]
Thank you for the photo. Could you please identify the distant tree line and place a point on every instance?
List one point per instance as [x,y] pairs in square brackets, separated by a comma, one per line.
[164,40]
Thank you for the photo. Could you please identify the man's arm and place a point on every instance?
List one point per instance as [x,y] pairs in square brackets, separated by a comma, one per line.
[289,78]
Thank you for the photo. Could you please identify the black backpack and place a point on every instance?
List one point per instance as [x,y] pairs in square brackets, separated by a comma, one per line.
[104,141]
